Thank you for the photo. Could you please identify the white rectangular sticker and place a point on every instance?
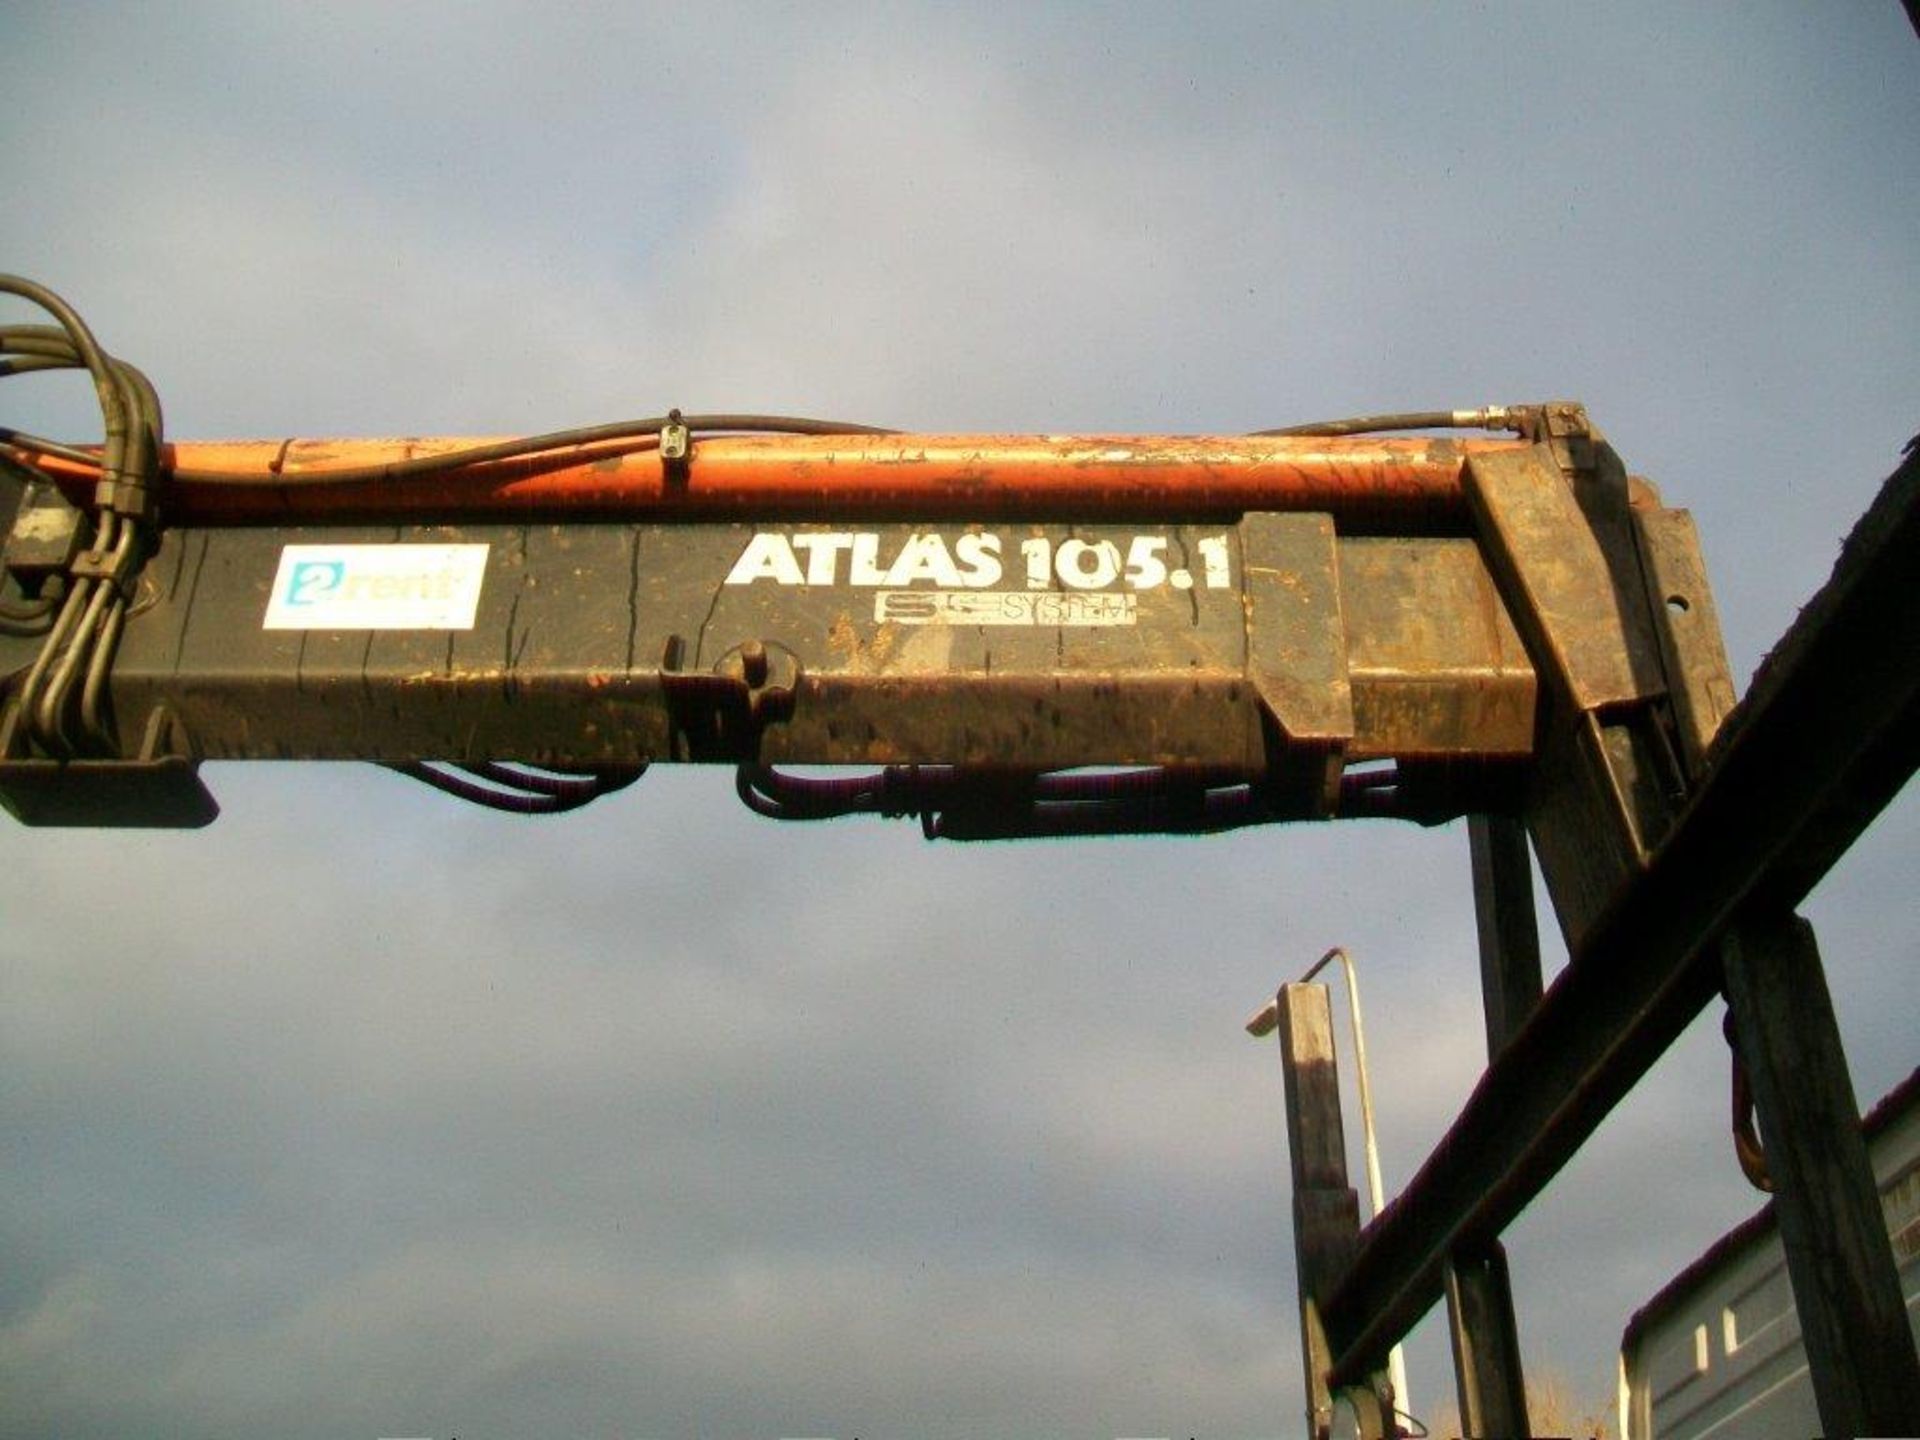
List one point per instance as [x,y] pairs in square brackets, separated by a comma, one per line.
[1005,607]
[377,587]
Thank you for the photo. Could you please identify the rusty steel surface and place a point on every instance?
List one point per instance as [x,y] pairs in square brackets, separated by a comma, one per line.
[1699,679]
[1563,547]
[1434,662]
[1826,736]
[1368,481]
[1554,556]
[1273,632]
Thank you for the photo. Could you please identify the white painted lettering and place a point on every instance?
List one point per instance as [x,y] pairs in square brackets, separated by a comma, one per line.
[823,555]
[980,555]
[864,568]
[1083,566]
[924,557]
[768,556]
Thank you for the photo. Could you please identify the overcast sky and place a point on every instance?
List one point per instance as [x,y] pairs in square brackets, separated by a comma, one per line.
[365,1114]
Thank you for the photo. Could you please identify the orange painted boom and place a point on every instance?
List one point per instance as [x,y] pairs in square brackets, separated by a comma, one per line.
[1365,480]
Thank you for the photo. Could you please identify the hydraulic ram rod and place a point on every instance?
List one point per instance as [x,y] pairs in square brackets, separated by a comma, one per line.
[1367,483]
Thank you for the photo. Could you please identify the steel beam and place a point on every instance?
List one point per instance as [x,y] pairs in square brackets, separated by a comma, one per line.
[1508,928]
[1273,648]
[1488,1374]
[1846,1288]
[1486,1344]
[1827,735]
[1326,1209]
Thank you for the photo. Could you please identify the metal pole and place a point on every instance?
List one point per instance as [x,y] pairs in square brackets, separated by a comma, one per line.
[1376,1189]
[1263,1024]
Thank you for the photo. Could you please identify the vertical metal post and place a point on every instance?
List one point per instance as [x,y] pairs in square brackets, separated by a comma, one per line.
[1509,931]
[1853,1322]
[1326,1209]
[1376,1183]
[1486,1344]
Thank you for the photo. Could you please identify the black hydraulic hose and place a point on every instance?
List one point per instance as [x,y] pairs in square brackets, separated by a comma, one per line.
[954,804]
[80,644]
[48,719]
[40,348]
[112,404]
[1198,812]
[1494,418]
[46,347]
[513,802]
[43,342]
[1079,786]
[21,440]
[27,364]
[519,791]
[558,787]
[93,717]
[42,695]
[59,637]
[778,796]
[643,434]
[950,800]
[562,785]
[28,621]
[21,337]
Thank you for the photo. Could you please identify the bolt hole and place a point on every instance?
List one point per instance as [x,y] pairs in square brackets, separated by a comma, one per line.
[1678,604]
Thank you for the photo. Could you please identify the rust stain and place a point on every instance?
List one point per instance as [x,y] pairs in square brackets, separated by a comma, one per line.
[842,638]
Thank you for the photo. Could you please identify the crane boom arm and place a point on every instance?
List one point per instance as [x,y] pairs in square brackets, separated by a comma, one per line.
[1271,626]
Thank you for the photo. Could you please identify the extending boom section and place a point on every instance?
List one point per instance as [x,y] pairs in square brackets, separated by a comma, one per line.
[1242,620]
[501,614]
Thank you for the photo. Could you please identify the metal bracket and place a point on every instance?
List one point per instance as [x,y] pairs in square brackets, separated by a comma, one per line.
[117,567]
[49,534]
[1747,1147]
[721,714]
[1686,620]
[1562,548]
[1297,651]
[676,449]
[159,789]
